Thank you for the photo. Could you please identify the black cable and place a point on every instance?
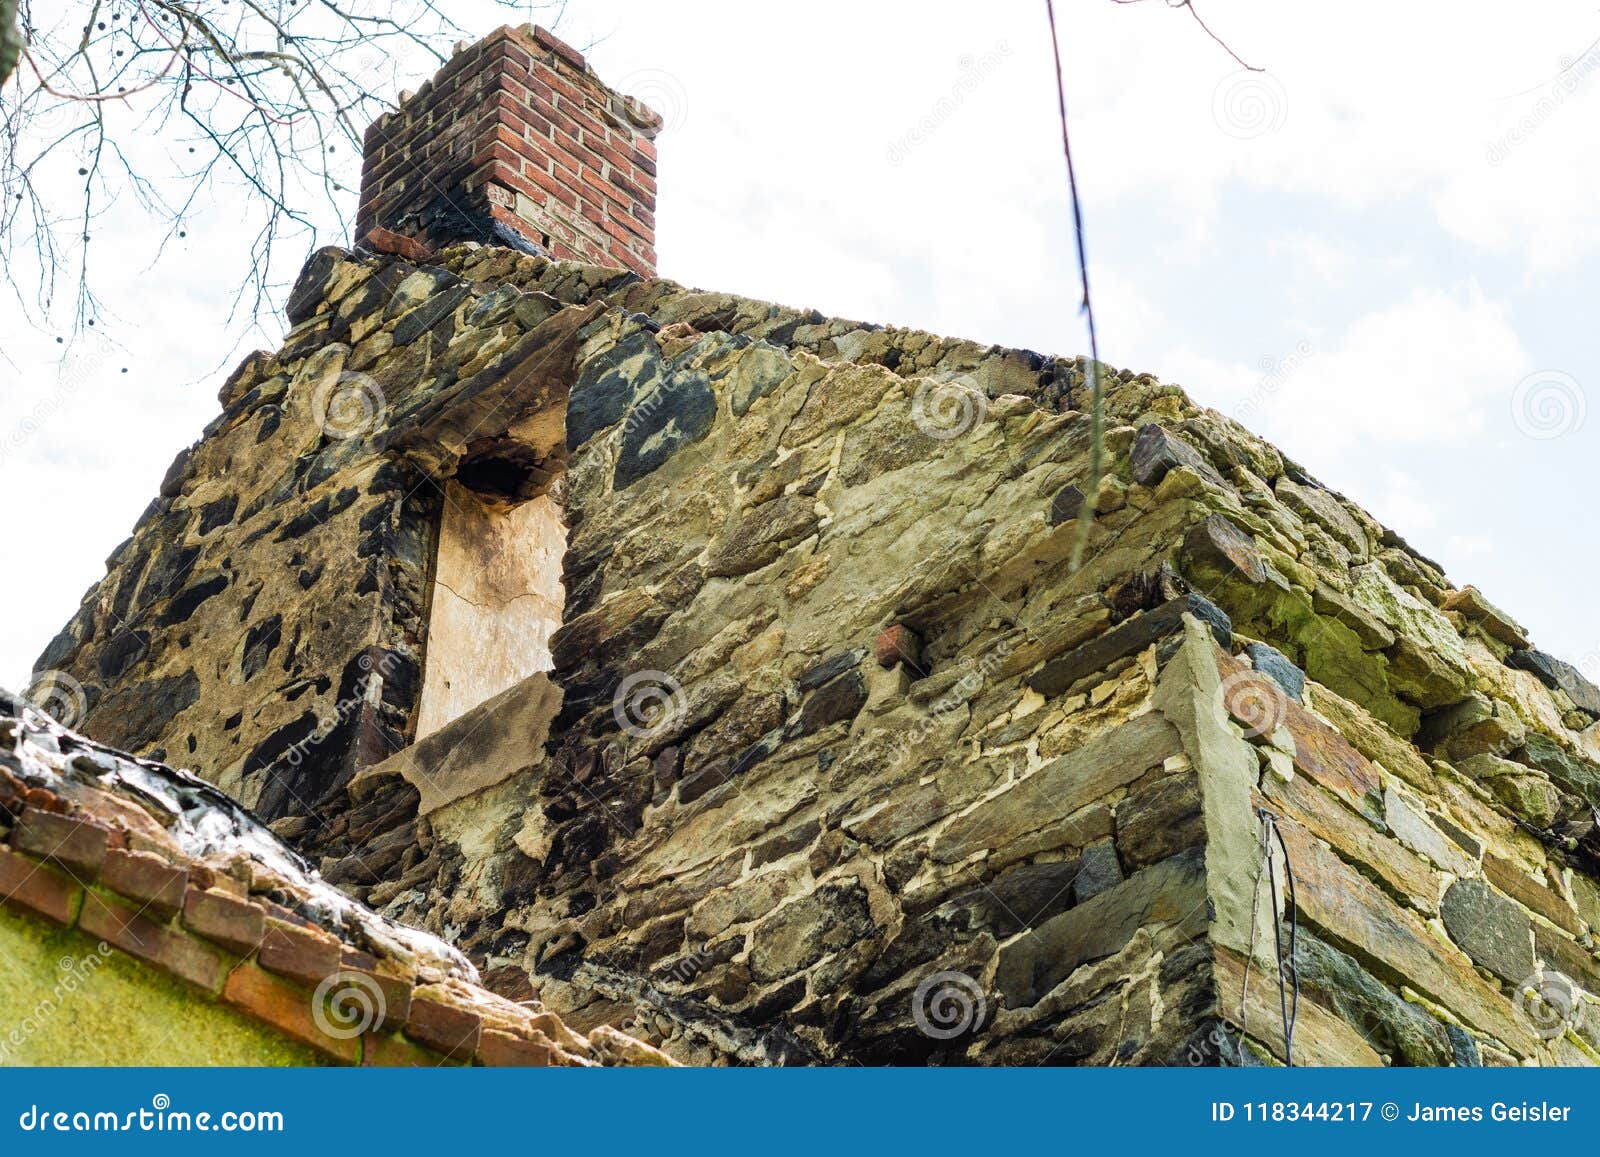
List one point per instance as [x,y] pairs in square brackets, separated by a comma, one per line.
[1290,1012]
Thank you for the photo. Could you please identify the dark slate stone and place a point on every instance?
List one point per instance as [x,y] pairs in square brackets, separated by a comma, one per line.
[429,314]
[218,513]
[1217,545]
[1573,772]
[1066,505]
[121,653]
[141,711]
[318,513]
[57,651]
[184,604]
[1031,966]
[608,383]
[712,775]
[1464,1048]
[259,643]
[1098,871]
[829,668]
[177,473]
[1491,929]
[1017,898]
[1409,1035]
[309,287]
[1156,451]
[1558,675]
[833,703]
[676,414]
[170,569]
[1160,820]
[1130,638]
[756,752]
[1275,665]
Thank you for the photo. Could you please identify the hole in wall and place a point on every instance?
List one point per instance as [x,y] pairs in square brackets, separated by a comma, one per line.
[496,594]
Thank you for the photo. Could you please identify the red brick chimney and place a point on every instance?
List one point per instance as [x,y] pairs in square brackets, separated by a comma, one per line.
[515,142]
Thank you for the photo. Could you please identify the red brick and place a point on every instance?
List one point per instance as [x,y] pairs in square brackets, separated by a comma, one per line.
[397,244]
[561,48]
[518,114]
[898,644]
[299,953]
[76,844]
[450,1031]
[159,944]
[235,924]
[147,878]
[31,887]
[502,1050]
[290,1009]
[549,184]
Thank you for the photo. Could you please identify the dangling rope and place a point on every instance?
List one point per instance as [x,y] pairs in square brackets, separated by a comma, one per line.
[1096,402]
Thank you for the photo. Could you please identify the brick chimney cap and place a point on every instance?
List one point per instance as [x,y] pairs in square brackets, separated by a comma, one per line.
[544,38]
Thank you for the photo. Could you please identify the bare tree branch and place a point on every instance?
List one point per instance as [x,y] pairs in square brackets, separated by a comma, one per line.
[182,104]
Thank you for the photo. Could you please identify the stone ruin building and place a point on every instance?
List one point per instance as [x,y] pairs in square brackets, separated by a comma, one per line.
[709,676]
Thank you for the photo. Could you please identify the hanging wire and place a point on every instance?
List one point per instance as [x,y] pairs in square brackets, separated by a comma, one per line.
[1288,971]
[1291,1011]
[1096,400]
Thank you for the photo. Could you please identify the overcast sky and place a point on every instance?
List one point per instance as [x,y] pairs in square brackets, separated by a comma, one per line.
[1382,253]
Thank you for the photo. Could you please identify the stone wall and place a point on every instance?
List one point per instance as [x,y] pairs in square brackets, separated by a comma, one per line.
[837,755]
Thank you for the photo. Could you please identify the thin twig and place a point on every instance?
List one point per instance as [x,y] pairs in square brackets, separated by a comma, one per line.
[1189,4]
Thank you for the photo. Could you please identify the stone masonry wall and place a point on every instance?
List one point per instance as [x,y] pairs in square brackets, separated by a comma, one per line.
[837,756]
